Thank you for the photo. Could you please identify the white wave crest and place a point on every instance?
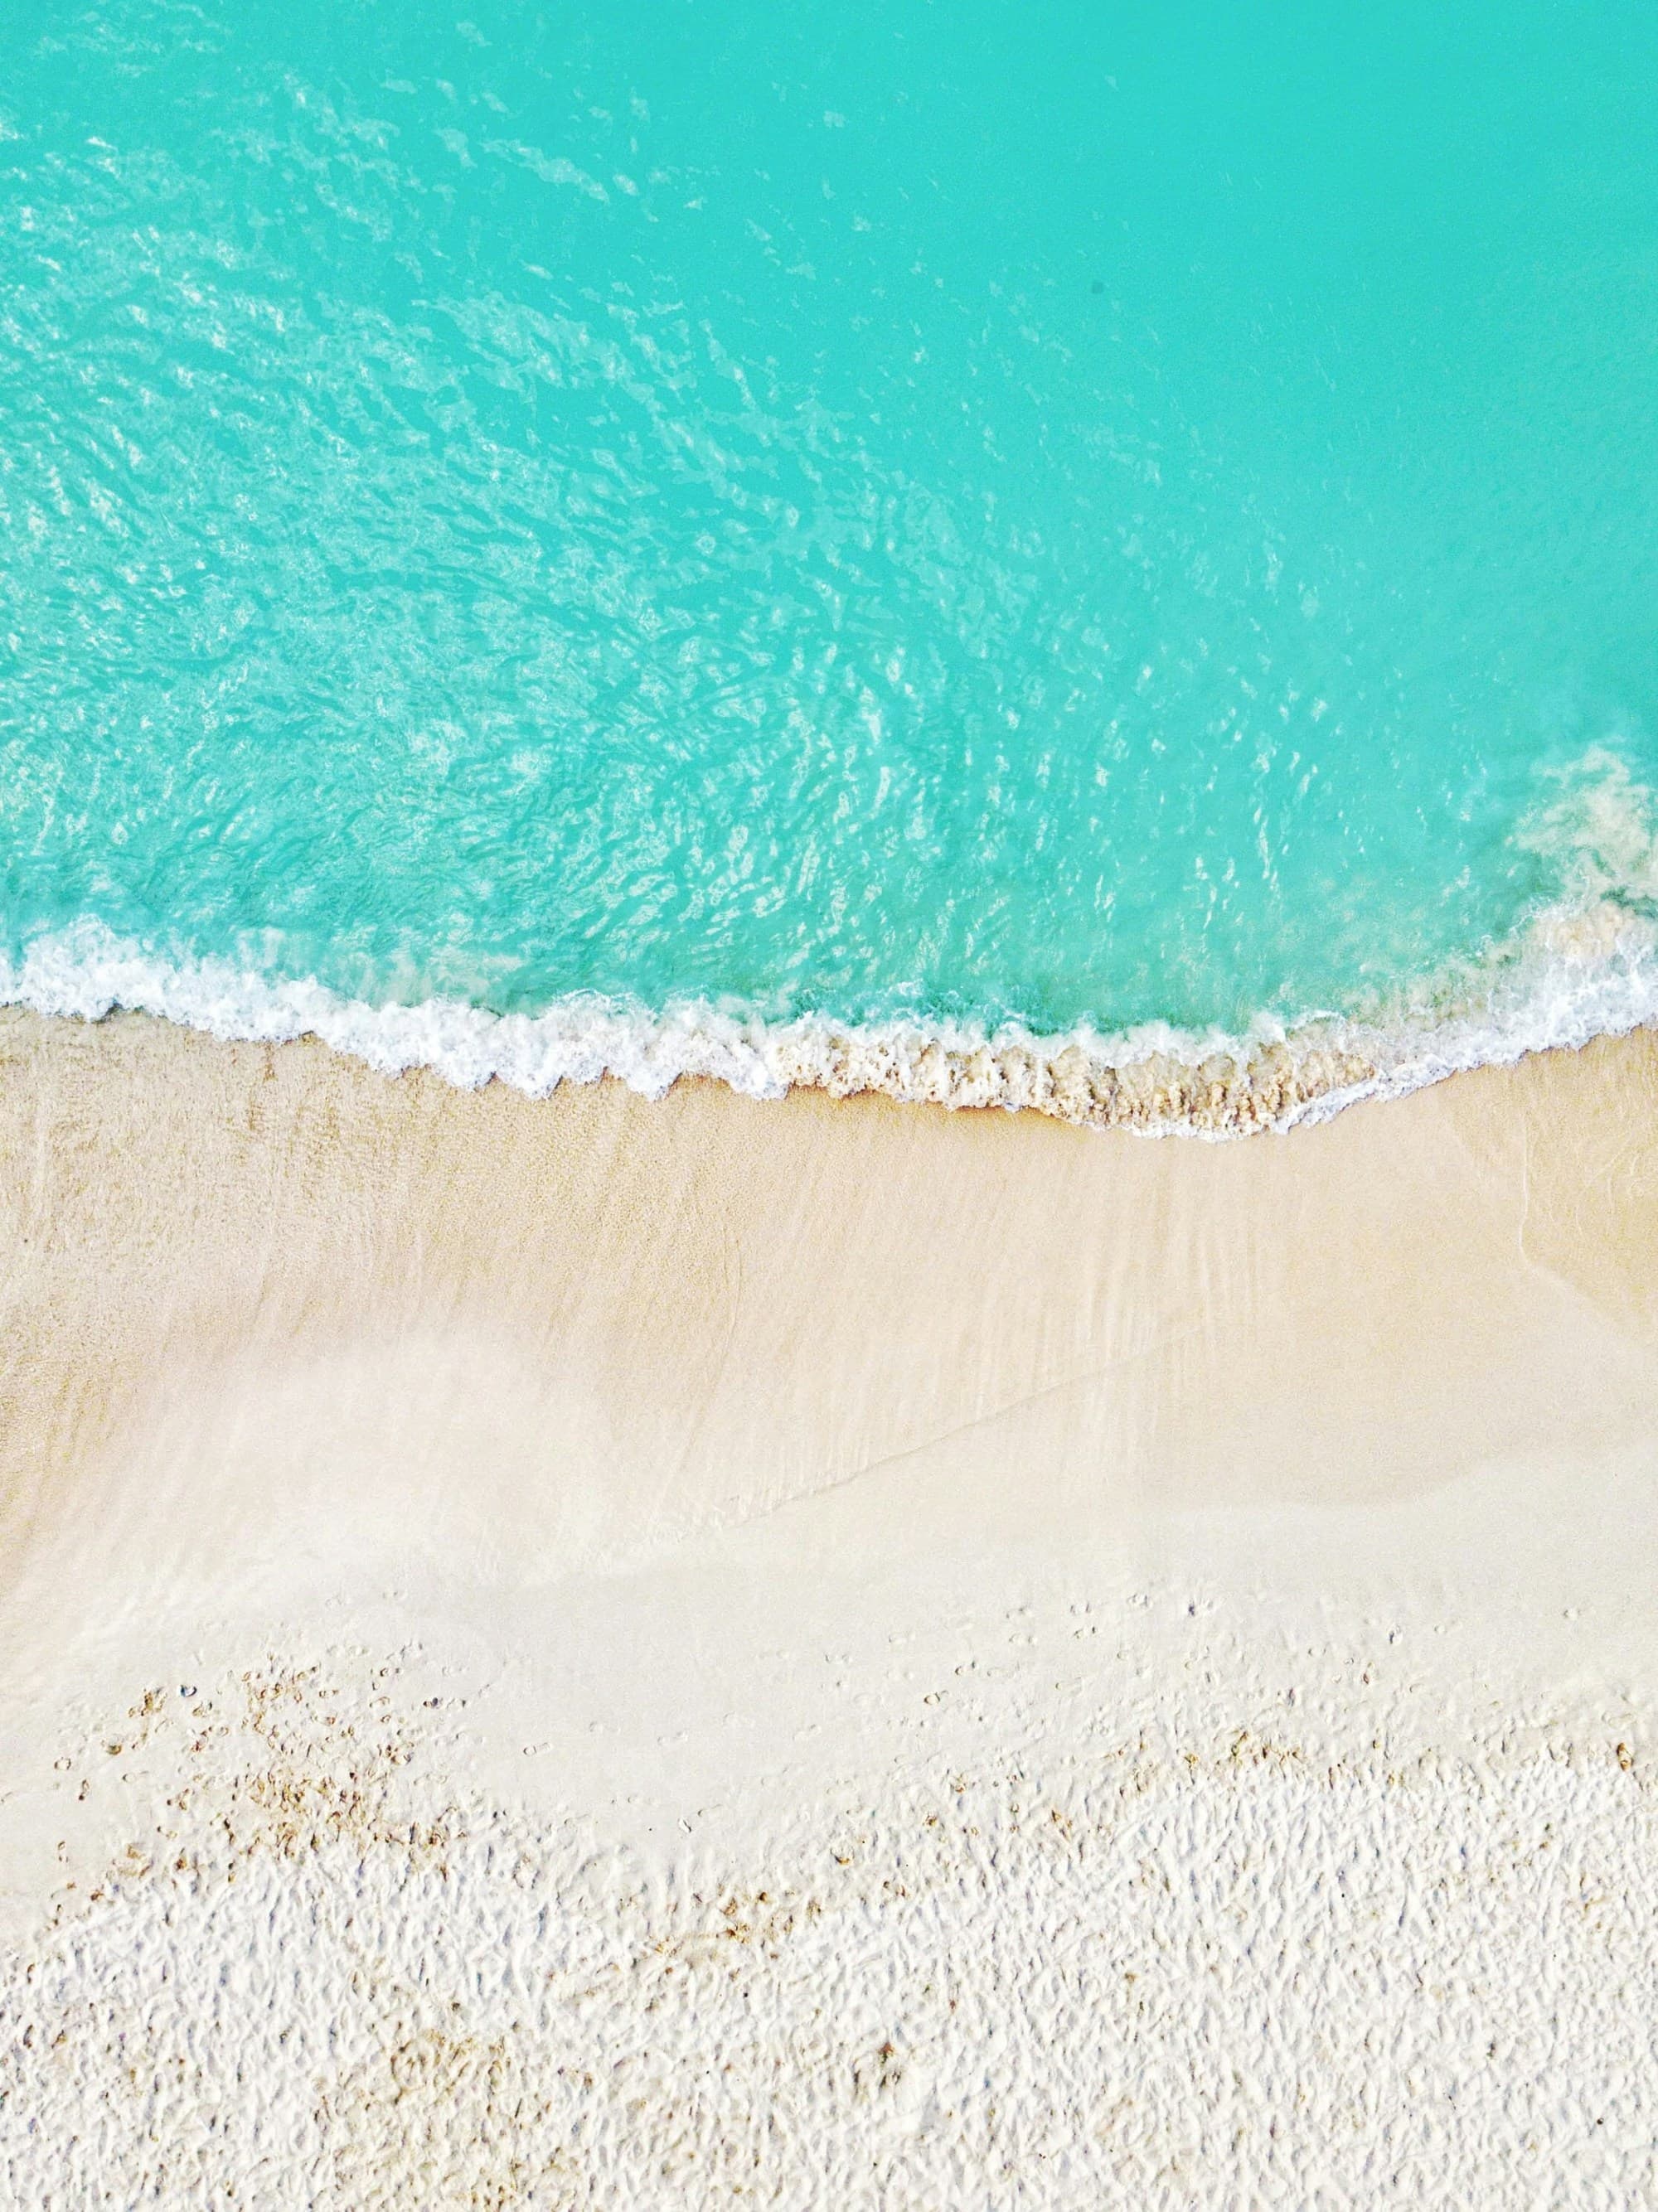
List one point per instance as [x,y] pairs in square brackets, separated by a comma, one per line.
[1585,966]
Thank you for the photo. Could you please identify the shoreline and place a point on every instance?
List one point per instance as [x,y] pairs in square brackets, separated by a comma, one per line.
[1583,969]
[816,1544]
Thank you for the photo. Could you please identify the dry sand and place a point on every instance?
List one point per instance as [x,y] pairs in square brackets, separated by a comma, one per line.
[596,1652]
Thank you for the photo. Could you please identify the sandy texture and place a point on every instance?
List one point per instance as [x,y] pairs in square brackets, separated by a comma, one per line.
[598,1652]
[1217,1977]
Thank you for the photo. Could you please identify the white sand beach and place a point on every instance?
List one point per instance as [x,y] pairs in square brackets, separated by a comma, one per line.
[822,1652]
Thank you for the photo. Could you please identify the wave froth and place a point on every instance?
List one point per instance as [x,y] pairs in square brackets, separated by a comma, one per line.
[1583,966]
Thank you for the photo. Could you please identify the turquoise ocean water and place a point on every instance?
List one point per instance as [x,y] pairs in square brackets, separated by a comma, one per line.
[684,524]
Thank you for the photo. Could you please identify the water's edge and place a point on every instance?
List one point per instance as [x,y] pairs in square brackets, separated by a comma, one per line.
[1575,974]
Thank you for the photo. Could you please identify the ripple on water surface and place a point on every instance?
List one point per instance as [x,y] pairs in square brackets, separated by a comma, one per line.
[973,552]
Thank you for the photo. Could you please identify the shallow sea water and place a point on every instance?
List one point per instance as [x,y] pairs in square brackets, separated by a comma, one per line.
[965,520]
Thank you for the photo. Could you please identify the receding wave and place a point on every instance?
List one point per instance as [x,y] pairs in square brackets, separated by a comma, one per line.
[1583,966]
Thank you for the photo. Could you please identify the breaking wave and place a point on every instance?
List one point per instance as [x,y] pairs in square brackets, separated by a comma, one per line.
[1583,966]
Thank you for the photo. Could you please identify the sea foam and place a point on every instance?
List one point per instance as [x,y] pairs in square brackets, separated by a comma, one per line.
[1575,976]
[1583,966]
